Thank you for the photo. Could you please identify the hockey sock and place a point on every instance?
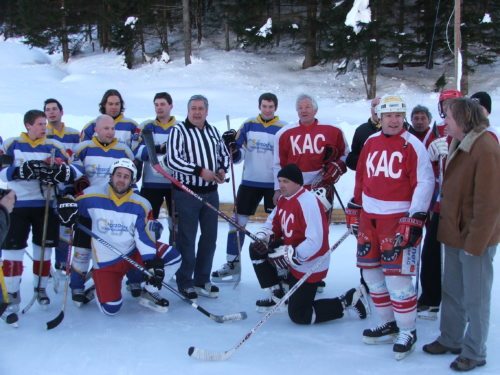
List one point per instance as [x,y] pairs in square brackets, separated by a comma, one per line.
[379,293]
[37,258]
[79,267]
[12,269]
[232,242]
[404,301]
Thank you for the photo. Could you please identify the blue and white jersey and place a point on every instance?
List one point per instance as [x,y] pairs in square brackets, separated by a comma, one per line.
[151,178]
[255,141]
[126,131]
[94,159]
[69,137]
[31,193]
[121,221]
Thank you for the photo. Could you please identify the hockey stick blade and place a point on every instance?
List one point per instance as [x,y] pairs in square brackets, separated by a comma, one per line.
[229,317]
[56,321]
[222,356]
[206,355]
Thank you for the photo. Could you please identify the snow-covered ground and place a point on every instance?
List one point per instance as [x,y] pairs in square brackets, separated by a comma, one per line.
[139,341]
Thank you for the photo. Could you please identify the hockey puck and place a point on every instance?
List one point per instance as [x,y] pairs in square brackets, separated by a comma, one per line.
[190,350]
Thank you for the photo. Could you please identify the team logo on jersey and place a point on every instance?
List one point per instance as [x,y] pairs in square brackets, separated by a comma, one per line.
[384,164]
[286,223]
[306,144]
[259,146]
[109,227]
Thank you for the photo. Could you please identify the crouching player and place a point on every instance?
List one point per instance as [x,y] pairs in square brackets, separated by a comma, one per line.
[392,193]
[297,236]
[121,217]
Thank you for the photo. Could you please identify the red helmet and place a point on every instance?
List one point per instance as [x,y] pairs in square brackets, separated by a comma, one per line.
[445,95]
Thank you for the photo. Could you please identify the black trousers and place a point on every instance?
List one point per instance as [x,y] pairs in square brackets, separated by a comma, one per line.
[430,271]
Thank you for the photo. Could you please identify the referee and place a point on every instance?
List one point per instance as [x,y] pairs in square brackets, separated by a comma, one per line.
[199,159]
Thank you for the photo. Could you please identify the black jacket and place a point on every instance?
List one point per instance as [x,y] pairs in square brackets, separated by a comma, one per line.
[361,134]
[4,223]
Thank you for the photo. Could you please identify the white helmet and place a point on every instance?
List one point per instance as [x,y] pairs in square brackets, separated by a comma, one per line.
[321,195]
[391,104]
[124,163]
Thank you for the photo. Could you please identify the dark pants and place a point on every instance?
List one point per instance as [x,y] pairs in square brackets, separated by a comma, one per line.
[303,309]
[196,264]
[430,272]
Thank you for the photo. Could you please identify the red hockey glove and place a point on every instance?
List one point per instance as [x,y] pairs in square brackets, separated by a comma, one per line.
[409,233]
[352,213]
[332,171]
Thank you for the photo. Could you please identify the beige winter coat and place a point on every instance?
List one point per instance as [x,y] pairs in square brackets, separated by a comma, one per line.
[470,201]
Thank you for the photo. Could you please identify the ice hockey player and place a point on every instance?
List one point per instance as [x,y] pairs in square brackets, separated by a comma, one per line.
[392,193]
[253,144]
[32,175]
[121,217]
[295,237]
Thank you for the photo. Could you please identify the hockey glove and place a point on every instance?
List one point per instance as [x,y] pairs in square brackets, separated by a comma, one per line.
[332,172]
[409,233]
[55,174]
[278,258]
[229,138]
[156,228]
[260,247]
[80,185]
[67,210]
[161,149]
[155,267]
[438,148]
[30,170]
[352,213]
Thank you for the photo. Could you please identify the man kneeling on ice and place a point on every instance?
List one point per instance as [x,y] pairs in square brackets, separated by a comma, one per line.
[295,238]
[122,218]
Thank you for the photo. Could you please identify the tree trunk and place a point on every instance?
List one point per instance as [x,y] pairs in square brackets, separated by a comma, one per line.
[64,34]
[430,15]
[401,29]
[464,83]
[277,21]
[199,20]
[310,58]
[186,21]
[226,33]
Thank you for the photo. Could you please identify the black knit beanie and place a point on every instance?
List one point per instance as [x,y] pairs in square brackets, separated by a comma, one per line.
[292,172]
[484,99]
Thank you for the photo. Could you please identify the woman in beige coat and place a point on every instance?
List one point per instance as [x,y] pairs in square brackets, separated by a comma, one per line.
[469,227]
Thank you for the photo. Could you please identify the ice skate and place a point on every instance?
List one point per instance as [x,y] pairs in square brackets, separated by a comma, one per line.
[42,298]
[81,297]
[9,315]
[151,299]
[208,290]
[384,333]
[354,299]
[230,272]
[404,344]
[427,312]
[275,295]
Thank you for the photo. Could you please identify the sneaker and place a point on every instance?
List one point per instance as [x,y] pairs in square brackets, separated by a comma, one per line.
[152,300]
[427,312]
[208,290]
[42,297]
[466,364]
[135,289]
[353,299]
[404,344]
[189,293]
[275,295]
[382,334]
[229,272]
[436,347]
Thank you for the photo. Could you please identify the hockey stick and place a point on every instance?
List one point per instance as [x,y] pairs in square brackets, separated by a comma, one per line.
[217,318]
[222,356]
[150,146]
[59,318]
[235,208]
[44,238]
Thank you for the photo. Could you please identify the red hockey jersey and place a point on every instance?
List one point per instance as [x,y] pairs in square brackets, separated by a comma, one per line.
[394,176]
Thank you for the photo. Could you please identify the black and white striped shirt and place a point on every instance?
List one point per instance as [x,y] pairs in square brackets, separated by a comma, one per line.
[189,149]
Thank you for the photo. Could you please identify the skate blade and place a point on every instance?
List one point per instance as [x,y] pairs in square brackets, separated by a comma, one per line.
[152,306]
[400,356]
[389,339]
[226,279]
[44,306]
[427,317]
[264,309]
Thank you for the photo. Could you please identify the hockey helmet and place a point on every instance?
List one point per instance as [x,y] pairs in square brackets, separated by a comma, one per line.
[445,95]
[124,163]
[391,104]
[321,195]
